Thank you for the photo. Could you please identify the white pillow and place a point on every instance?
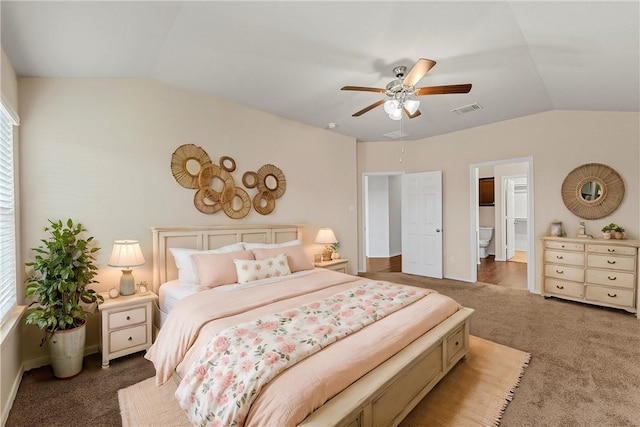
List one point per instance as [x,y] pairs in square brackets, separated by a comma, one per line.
[250,246]
[187,271]
[248,271]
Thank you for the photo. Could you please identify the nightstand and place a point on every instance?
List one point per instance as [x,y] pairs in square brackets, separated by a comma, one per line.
[341,265]
[126,325]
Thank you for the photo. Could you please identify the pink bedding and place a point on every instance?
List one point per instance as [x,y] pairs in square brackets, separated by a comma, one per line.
[294,394]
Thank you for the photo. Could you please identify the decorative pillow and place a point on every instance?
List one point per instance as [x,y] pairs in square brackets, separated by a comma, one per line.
[218,269]
[296,256]
[248,271]
[271,245]
[187,268]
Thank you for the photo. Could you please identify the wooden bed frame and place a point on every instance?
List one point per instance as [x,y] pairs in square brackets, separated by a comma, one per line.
[384,396]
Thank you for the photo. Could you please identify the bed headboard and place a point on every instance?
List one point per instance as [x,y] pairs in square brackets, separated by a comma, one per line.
[210,237]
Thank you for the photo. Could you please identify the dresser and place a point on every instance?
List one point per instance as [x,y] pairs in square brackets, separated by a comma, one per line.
[594,271]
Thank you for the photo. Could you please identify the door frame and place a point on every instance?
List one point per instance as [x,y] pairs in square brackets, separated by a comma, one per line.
[473,215]
[363,217]
[504,204]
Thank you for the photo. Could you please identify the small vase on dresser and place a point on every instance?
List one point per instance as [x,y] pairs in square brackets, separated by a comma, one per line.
[600,272]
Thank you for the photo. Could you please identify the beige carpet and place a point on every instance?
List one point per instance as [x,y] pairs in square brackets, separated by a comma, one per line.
[474,393]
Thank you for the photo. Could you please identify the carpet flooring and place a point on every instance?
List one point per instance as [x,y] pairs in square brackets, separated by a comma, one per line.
[584,369]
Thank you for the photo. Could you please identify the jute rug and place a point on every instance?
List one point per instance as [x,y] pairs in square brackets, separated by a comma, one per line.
[474,393]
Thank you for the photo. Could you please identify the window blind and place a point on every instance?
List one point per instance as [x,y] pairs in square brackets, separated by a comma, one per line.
[7,215]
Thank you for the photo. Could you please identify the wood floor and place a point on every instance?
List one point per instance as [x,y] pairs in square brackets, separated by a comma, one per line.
[512,274]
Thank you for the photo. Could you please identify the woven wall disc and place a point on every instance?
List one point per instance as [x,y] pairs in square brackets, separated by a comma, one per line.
[216,180]
[268,172]
[264,203]
[611,191]
[228,199]
[204,204]
[224,160]
[250,179]
[179,161]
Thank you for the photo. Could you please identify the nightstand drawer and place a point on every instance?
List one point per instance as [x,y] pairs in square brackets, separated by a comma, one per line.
[127,317]
[125,338]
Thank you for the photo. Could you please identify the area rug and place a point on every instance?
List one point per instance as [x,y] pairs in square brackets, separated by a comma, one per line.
[475,393]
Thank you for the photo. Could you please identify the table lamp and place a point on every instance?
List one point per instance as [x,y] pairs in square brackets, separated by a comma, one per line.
[326,237]
[126,254]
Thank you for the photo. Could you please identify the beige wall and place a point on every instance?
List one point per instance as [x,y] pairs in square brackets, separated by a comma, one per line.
[558,141]
[99,151]
[10,360]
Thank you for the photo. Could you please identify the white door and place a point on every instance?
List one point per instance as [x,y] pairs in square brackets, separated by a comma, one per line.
[422,224]
[510,218]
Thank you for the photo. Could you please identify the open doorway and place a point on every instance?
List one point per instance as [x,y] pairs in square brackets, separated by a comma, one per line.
[503,229]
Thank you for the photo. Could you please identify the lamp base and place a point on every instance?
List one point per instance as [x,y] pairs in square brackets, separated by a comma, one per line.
[326,254]
[127,283]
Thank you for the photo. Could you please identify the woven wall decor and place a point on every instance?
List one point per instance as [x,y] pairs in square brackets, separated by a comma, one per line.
[216,187]
[609,195]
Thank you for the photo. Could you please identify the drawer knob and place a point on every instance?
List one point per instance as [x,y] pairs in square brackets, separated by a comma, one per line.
[559,286]
[457,343]
[562,246]
[611,250]
[610,262]
[612,296]
[559,257]
[129,339]
[560,271]
[128,317]
[611,278]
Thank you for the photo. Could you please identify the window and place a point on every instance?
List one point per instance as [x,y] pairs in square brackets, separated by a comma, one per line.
[7,215]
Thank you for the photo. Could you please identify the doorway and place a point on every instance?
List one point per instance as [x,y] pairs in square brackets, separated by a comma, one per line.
[510,256]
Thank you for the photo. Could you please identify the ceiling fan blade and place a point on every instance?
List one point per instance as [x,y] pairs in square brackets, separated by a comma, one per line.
[370,107]
[421,67]
[416,114]
[441,90]
[365,89]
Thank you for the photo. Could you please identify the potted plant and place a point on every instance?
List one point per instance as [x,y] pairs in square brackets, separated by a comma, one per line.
[334,248]
[63,267]
[618,232]
[607,230]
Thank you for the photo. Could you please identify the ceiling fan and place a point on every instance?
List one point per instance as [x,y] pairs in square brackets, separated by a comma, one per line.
[401,92]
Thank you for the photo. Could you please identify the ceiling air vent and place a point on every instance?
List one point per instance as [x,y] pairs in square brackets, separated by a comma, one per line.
[396,134]
[467,108]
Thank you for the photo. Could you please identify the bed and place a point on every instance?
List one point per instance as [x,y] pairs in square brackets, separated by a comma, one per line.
[423,340]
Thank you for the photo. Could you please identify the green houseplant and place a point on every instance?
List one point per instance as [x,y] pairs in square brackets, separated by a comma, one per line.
[63,268]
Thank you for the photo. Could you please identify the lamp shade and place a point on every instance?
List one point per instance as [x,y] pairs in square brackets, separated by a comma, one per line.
[126,253]
[326,236]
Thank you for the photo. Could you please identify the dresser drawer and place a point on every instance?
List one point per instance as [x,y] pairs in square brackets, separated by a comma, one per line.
[129,317]
[569,258]
[129,337]
[611,262]
[611,249]
[564,272]
[552,244]
[611,278]
[559,287]
[621,297]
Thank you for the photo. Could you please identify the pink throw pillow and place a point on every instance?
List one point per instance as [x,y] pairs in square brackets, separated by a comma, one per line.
[296,256]
[218,269]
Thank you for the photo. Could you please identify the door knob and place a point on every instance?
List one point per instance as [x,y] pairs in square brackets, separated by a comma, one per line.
[437,230]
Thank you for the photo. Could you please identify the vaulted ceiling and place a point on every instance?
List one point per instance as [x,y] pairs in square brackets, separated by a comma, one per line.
[291,58]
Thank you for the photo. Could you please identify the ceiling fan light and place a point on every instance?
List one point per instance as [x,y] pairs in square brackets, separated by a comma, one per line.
[396,114]
[390,106]
[412,106]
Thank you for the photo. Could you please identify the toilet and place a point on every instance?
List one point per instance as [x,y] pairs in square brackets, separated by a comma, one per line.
[485,234]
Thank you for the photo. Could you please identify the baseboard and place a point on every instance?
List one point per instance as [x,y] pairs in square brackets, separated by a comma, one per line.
[39,362]
[12,396]
[458,279]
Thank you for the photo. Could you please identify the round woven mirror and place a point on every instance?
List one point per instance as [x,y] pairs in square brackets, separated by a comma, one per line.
[592,191]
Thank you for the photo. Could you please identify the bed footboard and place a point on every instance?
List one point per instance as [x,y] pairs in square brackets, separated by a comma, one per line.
[387,394]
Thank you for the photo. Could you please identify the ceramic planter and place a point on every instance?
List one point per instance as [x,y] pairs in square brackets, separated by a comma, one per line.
[67,351]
